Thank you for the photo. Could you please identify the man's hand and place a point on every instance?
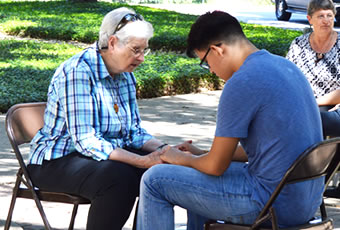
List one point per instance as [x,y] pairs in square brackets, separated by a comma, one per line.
[187,146]
[174,155]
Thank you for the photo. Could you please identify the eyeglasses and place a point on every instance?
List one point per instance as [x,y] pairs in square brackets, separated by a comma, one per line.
[137,52]
[126,19]
[203,63]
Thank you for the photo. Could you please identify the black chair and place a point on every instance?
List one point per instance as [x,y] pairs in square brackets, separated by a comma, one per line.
[22,122]
[321,159]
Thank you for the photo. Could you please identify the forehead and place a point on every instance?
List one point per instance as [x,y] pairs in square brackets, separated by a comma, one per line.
[322,11]
[138,42]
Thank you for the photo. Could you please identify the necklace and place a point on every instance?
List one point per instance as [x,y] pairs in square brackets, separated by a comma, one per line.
[116,96]
[319,57]
[322,47]
[116,108]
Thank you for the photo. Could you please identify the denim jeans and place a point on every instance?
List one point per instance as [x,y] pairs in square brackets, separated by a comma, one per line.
[331,123]
[226,197]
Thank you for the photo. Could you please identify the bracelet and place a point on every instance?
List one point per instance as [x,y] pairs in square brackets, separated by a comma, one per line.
[161,146]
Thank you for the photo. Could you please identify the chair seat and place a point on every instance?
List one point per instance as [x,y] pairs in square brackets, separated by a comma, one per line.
[53,196]
[326,224]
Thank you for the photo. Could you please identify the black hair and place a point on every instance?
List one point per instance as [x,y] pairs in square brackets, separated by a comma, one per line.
[213,27]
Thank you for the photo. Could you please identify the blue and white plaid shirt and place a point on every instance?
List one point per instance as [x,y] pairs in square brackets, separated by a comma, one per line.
[80,114]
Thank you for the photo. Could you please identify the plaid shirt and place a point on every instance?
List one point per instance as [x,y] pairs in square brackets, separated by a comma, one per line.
[80,114]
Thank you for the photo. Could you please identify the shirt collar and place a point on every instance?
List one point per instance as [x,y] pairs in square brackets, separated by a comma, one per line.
[103,72]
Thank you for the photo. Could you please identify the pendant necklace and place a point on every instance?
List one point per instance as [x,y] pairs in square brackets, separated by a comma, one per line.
[115,106]
[116,95]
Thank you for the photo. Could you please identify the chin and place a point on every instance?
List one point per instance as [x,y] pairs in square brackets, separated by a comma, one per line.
[131,68]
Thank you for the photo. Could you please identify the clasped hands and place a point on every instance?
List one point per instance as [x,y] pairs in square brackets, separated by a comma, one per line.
[179,153]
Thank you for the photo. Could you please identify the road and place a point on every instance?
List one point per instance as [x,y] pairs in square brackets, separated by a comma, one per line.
[244,11]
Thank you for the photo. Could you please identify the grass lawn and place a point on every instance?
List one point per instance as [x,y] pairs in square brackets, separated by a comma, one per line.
[26,67]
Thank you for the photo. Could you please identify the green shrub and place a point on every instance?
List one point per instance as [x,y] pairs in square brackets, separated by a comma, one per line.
[26,68]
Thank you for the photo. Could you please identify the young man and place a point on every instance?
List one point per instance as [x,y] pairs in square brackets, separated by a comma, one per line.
[268,107]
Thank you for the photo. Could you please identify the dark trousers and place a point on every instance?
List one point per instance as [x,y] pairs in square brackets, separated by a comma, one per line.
[111,186]
[330,123]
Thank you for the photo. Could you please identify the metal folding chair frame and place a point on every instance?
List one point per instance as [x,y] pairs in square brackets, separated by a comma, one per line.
[321,159]
[22,123]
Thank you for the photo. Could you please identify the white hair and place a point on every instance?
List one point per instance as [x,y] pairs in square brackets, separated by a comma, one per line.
[136,29]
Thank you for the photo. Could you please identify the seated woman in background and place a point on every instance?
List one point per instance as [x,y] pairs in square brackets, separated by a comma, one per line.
[317,55]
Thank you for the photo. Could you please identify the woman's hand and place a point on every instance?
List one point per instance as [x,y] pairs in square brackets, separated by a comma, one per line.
[152,159]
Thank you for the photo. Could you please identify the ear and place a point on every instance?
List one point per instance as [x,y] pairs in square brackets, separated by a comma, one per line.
[112,42]
[309,19]
[220,50]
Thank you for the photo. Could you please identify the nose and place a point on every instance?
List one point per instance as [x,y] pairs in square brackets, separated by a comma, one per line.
[140,57]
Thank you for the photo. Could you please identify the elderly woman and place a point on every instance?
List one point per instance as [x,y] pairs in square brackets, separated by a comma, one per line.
[317,54]
[91,143]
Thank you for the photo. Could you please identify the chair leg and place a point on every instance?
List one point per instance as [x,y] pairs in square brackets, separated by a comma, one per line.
[274,219]
[41,211]
[74,213]
[14,197]
[10,212]
[134,226]
[323,211]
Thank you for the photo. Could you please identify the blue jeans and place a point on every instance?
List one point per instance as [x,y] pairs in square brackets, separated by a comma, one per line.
[227,197]
[331,123]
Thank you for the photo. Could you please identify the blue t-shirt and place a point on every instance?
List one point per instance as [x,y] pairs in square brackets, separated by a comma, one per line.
[269,105]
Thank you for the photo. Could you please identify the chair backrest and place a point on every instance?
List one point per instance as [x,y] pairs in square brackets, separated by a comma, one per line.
[24,120]
[321,159]
[313,162]
[22,123]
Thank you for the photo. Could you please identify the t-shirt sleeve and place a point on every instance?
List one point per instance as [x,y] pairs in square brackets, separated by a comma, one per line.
[237,107]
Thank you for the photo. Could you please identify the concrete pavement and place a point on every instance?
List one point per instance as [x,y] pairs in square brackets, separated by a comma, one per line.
[172,119]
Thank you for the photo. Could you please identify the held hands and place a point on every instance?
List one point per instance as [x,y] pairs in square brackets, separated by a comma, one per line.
[152,159]
[174,155]
[187,146]
[180,154]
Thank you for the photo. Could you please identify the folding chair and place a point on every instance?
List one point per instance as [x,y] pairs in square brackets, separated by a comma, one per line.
[321,159]
[22,122]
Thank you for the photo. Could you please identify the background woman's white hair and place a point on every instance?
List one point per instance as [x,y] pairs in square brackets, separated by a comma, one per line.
[137,29]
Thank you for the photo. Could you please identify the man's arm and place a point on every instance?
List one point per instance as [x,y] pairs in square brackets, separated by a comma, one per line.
[240,154]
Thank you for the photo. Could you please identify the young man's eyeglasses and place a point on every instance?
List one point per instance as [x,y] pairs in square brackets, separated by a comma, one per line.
[126,19]
[203,63]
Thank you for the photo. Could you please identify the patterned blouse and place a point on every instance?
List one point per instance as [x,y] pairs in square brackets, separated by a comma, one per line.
[322,74]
